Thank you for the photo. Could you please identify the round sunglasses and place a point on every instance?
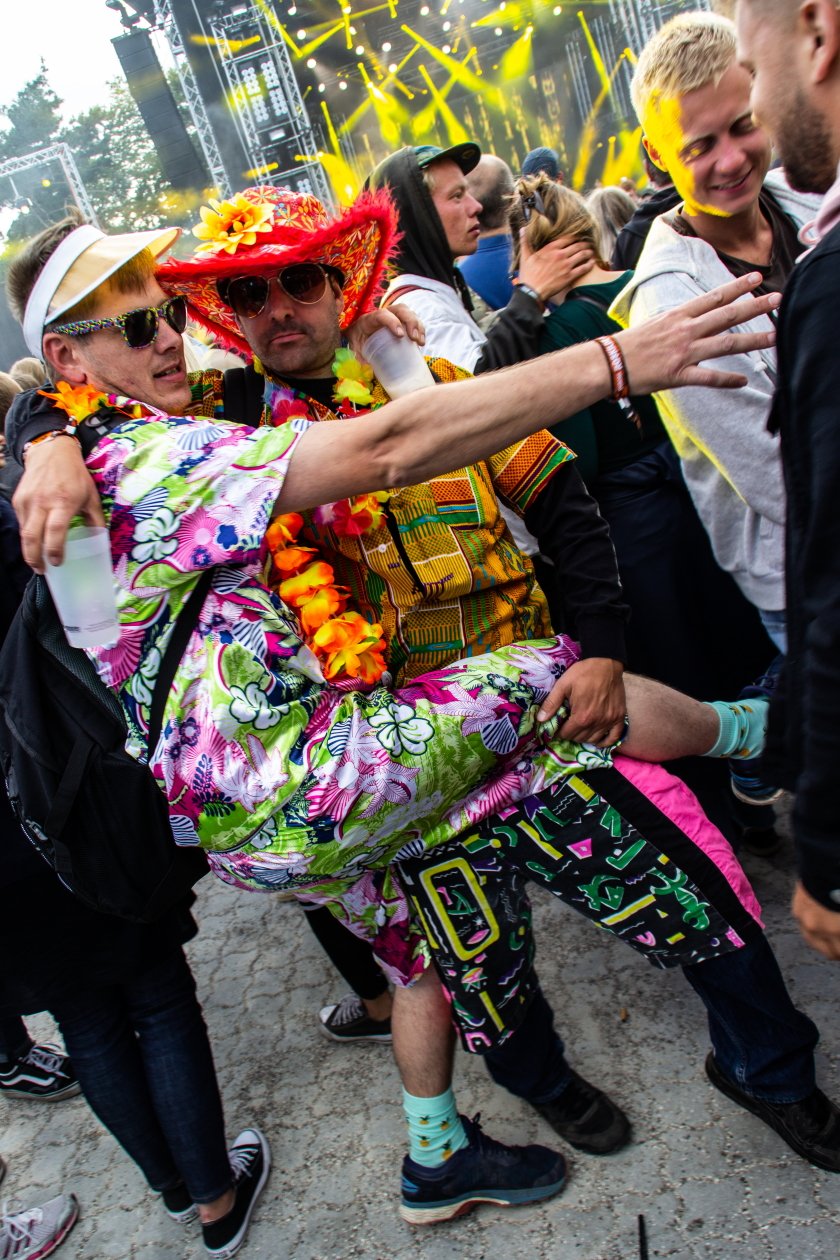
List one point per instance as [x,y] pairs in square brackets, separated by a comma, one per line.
[139,328]
[247,296]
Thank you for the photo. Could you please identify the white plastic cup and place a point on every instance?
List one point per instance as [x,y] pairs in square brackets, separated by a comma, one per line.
[82,588]
[397,362]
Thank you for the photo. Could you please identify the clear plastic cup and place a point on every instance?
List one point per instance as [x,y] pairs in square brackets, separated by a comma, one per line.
[82,588]
[397,362]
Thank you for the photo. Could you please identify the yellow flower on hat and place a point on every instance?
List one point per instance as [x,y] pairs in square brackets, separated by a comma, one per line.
[225,225]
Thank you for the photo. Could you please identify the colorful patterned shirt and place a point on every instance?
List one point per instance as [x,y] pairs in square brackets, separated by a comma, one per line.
[288,782]
[441,574]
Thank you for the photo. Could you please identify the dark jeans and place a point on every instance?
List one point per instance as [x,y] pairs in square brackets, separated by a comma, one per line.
[353,958]
[15,1041]
[143,1059]
[761,1041]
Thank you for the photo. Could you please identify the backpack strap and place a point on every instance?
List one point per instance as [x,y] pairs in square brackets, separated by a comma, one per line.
[243,395]
[401,292]
[76,766]
[585,297]
[185,624]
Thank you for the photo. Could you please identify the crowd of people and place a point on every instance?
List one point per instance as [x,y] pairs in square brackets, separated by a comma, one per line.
[451,638]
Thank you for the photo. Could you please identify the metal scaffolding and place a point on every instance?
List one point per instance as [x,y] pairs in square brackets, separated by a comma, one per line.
[265,100]
[165,21]
[62,154]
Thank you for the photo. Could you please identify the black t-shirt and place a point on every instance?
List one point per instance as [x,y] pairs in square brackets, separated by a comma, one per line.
[318,387]
[786,246]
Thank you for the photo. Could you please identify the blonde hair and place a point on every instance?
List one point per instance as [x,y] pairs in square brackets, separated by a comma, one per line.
[32,258]
[9,388]
[611,208]
[29,372]
[690,51]
[565,214]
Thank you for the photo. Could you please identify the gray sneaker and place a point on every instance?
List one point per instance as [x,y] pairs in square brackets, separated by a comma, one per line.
[36,1233]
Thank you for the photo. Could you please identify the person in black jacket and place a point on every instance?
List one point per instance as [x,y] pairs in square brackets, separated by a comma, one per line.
[795,62]
[124,998]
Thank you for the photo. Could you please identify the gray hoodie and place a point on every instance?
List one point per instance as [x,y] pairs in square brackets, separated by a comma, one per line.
[731,464]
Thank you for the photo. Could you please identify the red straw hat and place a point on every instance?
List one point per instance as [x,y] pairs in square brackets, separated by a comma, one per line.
[269,228]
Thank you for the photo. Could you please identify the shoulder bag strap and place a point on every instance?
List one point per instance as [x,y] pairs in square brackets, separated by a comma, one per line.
[175,648]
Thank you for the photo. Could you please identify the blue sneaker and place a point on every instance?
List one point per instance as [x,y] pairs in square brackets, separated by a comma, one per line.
[485,1171]
[746,781]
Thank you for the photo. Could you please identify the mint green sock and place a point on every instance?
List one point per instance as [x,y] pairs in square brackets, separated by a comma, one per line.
[743,727]
[434,1128]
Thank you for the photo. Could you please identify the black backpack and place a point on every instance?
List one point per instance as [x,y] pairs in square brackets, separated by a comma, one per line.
[93,812]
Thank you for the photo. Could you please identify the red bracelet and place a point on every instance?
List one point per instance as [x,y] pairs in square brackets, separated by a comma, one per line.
[618,368]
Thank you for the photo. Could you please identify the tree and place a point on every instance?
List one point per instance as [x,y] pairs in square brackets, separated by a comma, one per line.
[33,120]
[118,164]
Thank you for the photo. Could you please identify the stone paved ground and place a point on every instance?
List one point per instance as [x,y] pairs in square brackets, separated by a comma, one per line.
[711,1181]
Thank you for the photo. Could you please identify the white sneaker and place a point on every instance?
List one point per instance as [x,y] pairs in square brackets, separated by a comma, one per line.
[36,1233]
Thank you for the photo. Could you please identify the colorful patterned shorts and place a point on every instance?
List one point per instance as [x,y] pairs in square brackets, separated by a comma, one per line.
[628,847]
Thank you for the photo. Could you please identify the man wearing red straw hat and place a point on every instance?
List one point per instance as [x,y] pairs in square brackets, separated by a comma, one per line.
[437,570]
[438,590]
[351,461]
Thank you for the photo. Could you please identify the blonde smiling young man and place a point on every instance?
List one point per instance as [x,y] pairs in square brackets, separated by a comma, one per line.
[693,101]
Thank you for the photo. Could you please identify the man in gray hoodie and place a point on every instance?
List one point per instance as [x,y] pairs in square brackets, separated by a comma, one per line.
[693,101]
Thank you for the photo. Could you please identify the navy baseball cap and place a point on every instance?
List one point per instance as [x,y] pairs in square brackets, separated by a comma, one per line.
[466,155]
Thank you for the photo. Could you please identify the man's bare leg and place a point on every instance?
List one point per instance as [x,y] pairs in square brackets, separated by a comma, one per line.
[423,1037]
[665,724]
[451,1165]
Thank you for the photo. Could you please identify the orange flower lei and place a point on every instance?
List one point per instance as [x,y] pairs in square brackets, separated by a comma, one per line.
[81,401]
[346,644]
[352,391]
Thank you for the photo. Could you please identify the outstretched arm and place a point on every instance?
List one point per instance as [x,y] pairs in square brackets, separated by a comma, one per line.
[400,444]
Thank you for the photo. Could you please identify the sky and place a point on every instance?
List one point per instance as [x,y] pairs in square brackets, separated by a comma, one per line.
[74,39]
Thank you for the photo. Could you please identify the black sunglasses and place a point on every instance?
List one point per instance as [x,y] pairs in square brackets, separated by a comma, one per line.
[139,328]
[247,296]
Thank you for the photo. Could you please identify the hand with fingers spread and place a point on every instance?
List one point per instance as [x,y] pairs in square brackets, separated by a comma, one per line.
[591,694]
[398,319]
[552,270]
[667,351]
[55,487]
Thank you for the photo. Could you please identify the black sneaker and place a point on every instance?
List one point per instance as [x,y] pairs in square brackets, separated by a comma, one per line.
[250,1159]
[586,1118]
[349,1021]
[483,1172]
[810,1127]
[44,1072]
[763,842]
[179,1204]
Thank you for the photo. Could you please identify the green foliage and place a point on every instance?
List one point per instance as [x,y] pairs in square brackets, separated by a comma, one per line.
[118,163]
[115,157]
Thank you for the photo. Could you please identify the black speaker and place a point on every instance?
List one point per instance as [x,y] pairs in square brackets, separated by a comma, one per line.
[193,22]
[181,164]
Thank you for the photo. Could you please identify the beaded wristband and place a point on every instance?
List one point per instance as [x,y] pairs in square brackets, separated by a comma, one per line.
[50,436]
[618,368]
